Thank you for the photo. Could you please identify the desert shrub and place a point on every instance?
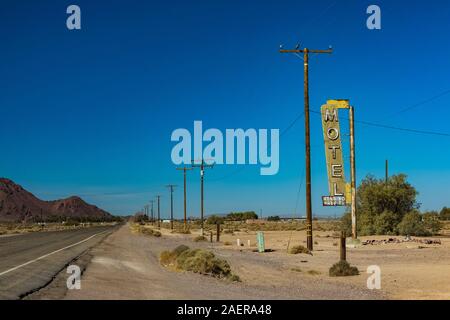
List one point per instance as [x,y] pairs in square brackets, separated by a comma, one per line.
[298,249]
[445,213]
[198,261]
[313,272]
[147,231]
[199,238]
[203,262]
[235,277]
[227,243]
[412,225]
[214,219]
[156,233]
[343,269]
[228,231]
[385,223]
[240,216]
[167,258]
[382,205]
[181,231]
[180,249]
[431,222]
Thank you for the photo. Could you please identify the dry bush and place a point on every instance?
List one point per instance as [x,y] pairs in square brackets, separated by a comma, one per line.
[343,269]
[199,238]
[145,230]
[313,272]
[156,233]
[181,231]
[296,269]
[227,243]
[198,261]
[298,249]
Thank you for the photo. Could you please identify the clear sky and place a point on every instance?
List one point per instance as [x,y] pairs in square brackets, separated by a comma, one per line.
[90,112]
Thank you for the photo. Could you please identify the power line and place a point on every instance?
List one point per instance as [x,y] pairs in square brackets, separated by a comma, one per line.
[292,124]
[420,103]
[379,125]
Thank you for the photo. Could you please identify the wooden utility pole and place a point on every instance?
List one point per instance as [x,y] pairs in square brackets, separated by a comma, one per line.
[306,52]
[184,183]
[146,211]
[159,219]
[171,187]
[202,167]
[151,212]
[353,172]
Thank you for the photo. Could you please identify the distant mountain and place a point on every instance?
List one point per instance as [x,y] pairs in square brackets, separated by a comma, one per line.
[17,204]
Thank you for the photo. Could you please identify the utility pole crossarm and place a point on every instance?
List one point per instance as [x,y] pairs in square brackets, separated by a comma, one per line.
[329,51]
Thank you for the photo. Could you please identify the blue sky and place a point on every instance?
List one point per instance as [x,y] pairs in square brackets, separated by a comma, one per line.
[90,112]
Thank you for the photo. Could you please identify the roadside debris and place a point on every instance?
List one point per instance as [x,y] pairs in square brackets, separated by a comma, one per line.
[396,240]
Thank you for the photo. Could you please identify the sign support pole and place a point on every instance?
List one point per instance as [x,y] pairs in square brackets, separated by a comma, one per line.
[353,172]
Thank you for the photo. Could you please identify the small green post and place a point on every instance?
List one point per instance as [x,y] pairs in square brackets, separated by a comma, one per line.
[260,241]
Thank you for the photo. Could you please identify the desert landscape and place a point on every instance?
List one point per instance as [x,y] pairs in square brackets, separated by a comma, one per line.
[131,256]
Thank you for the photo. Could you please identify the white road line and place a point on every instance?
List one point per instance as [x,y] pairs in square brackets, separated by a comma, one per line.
[49,254]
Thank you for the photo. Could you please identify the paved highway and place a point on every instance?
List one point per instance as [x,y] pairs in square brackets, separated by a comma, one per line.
[30,261]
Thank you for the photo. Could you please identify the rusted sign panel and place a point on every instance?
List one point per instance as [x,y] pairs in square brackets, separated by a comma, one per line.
[333,150]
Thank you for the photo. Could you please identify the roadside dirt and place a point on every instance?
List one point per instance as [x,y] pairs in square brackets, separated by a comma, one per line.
[408,270]
[126,266]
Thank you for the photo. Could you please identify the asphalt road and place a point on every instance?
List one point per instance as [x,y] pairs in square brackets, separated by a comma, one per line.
[29,262]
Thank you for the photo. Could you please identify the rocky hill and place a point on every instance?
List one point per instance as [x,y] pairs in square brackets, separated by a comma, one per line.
[17,204]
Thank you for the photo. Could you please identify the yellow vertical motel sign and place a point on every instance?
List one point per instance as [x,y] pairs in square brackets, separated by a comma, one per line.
[334,155]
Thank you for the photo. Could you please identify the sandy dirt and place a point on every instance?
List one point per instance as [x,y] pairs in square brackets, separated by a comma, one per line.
[126,266]
[408,270]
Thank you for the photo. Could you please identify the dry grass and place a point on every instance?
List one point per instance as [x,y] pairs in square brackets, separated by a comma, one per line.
[230,227]
[19,228]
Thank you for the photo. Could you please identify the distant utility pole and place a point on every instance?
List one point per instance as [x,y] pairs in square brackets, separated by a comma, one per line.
[159,219]
[184,176]
[306,53]
[151,215]
[202,167]
[171,187]
[146,211]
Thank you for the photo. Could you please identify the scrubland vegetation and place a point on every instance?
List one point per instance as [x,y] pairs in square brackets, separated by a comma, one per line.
[182,258]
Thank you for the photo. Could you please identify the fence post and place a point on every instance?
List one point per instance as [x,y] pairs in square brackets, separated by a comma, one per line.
[343,248]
